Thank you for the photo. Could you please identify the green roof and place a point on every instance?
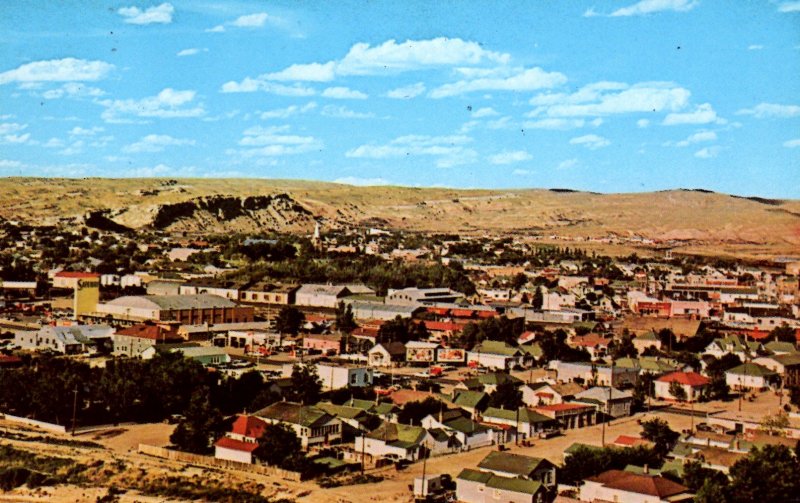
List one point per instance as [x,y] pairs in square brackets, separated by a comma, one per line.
[474,475]
[341,410]
[496,348]
[752,370]
[469,398]
[465,425]
[495,378]
[294,413]
[577,446]
[780,347]
[493,481]
[511,463]
[535,350]
[400,435]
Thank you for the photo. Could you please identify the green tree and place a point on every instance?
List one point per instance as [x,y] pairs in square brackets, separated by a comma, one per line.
[415,412]
[518,281]
[658,431]
[278,443]
[677,391]
[507,395]
[199,426]
[289,320]
[766,475]
[623,348]
[695,475]
[783,333]
[402,330]
[306,385]
[345,321]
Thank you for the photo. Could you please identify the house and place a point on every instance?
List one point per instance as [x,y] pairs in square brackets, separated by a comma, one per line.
[543,393]
[467,433]
[225,289]
[506,464]
[384,354]
[354,419]
[133,340]
[609,401]
[693,385]
[311,424]
[627,487]
[495,355]
[384,410]
[596,374]
[204,355]
[313,295]
[522,423]
[473,402]
[787,366]
[240,443]
[328,344]
[476,486]
[594,344]
[69,340]
[646,340]
[570,415]
[265,293]
[751,376]
[396,441]
[338,376]
[364,309]
[420,296]
[487,383]
[733,344]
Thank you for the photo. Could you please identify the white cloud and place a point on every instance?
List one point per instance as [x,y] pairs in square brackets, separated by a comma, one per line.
[702,114]
[390,57]
[651,6]
[567,164]
[256,20]
[606,98]
[792,143]
[484,112]
[17,138]
[771,110]
[590,12]
[11,127]
[76,147]
[57,70]
[155,143]
[406,92]
[79,131]
[273,141]
[249,85]
[707,152]
[789,7]
[53,143]
[698,137]
[521,172]
[554,123]
[590,141]
[510,157]
[643,123]
[191,51]
[754,47]
[449,150]
[519,79]
[284,113]
[344,113]
[169,103]
[73,90]
[161,14]
[217,29]
[362,182]
[501,123]
[343,93]
[311,72]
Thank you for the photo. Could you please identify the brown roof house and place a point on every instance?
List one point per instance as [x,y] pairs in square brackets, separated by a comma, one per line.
[502,476]
[627,487]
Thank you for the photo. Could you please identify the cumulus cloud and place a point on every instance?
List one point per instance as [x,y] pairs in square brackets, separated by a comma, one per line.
[274,141]
[652,6]
[73,90]
[249,85]
[406,92]
[155,143]
[607,98]
[79,131]
[284,113]
[560,123]
[699,137]
[362,182]
[191,51]
[344,113]
[754,47]
[484,112]
[792,143]
[771,110]
[518,79]
[448,150]
[58,70]
[702,114]
[707,152]
[510,157]
[590,141]
[643,123]
[311,72]
[11,127]
[343,93]
[167,104]
[161,14]
[789,7]
[256,20]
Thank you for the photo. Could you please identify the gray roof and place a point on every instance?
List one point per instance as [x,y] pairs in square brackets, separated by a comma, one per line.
[173,302]
[314,289]
[600,394]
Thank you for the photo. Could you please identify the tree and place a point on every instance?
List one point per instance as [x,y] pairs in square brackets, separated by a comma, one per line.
[588,461]
[507,396]
[695,476]
[344,318]
[658,431]
[518,281]
[623,348]
[415,412]
[278,443]
[306,385]
[402,330]
[196,431]
[783,333]
[538,298]
[766,475]
[289,320]
[642,390]
[677,391]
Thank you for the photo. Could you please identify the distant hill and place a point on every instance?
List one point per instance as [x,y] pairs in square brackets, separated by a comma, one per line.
[701,221]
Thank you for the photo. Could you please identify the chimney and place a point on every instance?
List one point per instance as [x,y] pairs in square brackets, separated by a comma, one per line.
[646,469]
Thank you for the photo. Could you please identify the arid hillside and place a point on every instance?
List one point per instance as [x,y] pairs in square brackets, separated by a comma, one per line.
[696,221]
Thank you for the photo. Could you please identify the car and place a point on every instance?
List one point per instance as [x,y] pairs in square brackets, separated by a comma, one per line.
[703,427]
[424,374]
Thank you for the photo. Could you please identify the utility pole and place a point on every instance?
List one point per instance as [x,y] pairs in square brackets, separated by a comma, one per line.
[516,437]
[74,409]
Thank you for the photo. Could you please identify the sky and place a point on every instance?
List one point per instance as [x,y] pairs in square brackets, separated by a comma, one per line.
[602,96]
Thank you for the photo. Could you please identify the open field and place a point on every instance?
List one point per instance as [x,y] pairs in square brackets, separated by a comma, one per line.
[692,221]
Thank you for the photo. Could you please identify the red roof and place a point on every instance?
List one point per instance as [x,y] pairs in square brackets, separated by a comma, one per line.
[689,378]
[558,407]
[639,484]
[591,340]
[443,326]
[442,311]
[630,441]
[9,360]
[150,331]
[236,445]
[249,426]
[71,274]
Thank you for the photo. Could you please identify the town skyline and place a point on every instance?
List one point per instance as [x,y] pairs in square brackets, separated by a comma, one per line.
[605,97]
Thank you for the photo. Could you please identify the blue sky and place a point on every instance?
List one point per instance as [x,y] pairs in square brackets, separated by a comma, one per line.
[605,96]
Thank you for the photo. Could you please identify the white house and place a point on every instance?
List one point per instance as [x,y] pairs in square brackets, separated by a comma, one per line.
[240,443]
[311,424]
[628,487]
[495,355]
[750,376]
[320,295]
[692,383]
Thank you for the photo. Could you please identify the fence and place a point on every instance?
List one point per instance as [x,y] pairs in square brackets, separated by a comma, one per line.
[59,428]
[212,462]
